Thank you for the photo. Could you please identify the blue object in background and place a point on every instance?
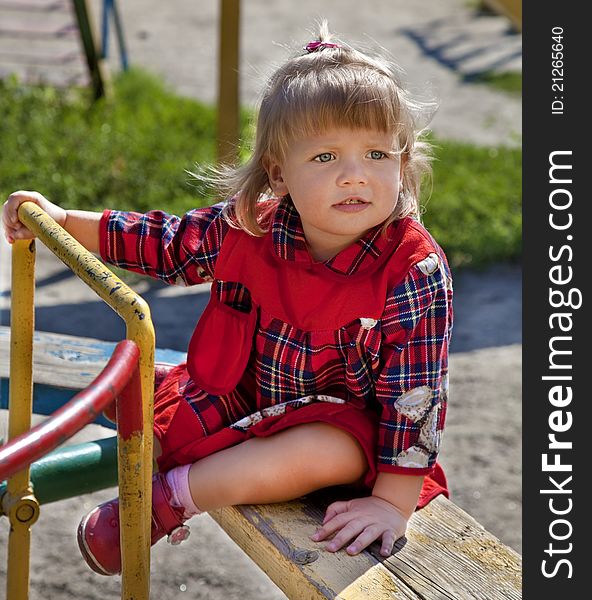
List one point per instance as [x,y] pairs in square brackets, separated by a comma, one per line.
[110,8]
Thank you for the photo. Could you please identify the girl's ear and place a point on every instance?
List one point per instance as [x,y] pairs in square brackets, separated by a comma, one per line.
[275,176]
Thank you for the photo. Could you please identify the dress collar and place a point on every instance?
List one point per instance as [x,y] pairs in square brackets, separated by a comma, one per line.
[290,244]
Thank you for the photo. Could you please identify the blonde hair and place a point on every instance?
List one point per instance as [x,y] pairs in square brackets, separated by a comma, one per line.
[330,85]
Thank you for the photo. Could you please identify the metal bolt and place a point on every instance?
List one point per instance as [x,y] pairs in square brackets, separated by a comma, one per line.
[303,557]
[25,513]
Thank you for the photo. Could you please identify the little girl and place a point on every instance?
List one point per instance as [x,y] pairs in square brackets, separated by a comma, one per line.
[321,358]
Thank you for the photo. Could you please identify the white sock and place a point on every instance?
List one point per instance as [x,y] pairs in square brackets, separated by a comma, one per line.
[178,480]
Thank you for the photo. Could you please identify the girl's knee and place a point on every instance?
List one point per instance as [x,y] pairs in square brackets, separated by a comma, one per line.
[332,456]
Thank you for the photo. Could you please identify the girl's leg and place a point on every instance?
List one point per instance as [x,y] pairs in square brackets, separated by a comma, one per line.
[280,467]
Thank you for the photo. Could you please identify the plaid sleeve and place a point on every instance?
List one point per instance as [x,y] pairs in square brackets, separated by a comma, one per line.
[412,387]
[177,250]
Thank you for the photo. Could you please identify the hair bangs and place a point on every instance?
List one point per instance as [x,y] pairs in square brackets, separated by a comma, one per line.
[345,97]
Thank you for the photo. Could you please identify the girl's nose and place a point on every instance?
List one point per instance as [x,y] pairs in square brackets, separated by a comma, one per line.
[352,173]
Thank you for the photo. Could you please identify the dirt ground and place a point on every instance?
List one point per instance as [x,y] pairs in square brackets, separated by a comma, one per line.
[439,42]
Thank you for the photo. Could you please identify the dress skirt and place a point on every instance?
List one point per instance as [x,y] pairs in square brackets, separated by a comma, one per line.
[186,435]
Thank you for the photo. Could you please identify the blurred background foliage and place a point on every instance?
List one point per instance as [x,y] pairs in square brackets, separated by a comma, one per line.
[134,151]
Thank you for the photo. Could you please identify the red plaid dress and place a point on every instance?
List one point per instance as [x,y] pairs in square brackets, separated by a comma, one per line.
[359,341]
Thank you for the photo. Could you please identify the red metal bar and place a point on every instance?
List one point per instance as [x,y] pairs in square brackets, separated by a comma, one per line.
[82,409]
[129,408]
[161,371]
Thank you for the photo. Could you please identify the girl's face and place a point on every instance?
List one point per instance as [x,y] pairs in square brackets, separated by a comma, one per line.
[343,182]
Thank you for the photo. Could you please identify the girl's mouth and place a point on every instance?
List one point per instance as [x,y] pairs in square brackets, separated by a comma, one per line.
[351,200]
[351,205]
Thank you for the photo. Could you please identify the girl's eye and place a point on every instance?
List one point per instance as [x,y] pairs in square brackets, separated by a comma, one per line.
[324,157]
[377,154]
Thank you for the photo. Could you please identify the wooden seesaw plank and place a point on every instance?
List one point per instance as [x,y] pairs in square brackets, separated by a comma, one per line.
[69,362]
[447,555]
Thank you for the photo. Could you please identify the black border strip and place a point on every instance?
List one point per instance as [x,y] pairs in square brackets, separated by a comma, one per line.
[556,401]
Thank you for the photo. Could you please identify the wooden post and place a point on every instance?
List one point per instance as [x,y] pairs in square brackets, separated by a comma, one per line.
[512,9]
[95,63]
[228,82]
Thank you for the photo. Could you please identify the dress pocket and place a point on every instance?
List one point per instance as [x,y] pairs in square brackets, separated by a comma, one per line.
[221,345]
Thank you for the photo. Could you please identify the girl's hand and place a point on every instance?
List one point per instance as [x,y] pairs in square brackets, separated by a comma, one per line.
[13,228]
[362,520]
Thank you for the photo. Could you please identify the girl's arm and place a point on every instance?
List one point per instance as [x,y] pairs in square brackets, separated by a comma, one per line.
[402,491]
[175,250]
[84,226]
[81,224]
[412,391]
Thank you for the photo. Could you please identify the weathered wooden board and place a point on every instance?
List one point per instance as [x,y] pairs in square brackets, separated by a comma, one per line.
[276,537]
[450,555]
[447,555]
[66,361]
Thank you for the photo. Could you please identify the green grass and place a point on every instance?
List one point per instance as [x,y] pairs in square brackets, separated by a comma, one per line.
[510,82]
[475,207]
[132,153]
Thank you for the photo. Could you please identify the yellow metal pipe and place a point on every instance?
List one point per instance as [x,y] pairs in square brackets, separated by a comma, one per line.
[135,312]
[145,341]
[135,460]
[18,502]
[123,300]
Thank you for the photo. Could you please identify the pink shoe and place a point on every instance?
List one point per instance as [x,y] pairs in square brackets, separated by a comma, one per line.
[98,532]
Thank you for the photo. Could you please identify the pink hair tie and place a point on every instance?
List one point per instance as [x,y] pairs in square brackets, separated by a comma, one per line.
[318,45]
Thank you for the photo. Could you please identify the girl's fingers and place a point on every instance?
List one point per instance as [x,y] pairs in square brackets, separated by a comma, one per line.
[7,220]
[330,527]
[335,509]
[10,218]
[345,535]
[366,537]
[369,535]
[11,206]
[13,228]
[388,543]
[21,233]
[362,522]
[9,231]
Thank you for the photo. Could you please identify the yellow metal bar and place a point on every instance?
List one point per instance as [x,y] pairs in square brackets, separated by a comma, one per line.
[228,80]
[18,502]
[137,451]
[144,338]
